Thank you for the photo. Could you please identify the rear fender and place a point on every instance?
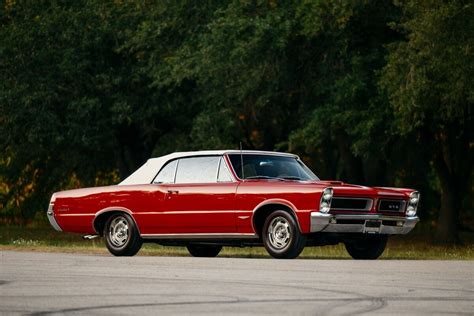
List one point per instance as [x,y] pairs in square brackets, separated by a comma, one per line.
[115,209]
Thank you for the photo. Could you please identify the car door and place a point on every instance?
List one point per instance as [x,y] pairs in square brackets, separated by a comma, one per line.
[202,198]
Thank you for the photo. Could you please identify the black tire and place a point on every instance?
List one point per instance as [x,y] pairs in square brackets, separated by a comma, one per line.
[204,250]
[281,236]
[368,248]
[121,235]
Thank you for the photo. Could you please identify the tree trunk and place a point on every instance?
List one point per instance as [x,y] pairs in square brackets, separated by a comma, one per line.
[447,228]
[352,165]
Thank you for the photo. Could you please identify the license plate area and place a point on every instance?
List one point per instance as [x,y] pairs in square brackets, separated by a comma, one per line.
[372,226]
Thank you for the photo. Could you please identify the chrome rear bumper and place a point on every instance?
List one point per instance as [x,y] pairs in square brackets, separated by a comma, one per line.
[373,223]
[51,218]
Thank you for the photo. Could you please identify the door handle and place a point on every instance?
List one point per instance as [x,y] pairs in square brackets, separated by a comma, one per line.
[173,191]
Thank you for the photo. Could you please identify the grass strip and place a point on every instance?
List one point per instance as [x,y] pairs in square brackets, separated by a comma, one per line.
[45,239]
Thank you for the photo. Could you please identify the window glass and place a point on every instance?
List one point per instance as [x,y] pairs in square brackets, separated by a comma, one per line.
[197,170]
[271,166]
[166,174]
[224,174]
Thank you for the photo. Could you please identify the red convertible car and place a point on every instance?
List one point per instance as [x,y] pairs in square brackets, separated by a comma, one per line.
[209,199]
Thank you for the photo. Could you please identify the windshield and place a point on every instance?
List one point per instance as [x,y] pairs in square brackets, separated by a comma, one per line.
[271,167]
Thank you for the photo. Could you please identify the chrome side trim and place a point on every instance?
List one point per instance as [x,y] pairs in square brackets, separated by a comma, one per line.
[329,223]
[191,212]
[200,236]
[75,214]
[51,218]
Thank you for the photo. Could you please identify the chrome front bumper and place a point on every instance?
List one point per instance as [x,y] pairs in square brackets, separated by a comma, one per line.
[51,218]
[373,223]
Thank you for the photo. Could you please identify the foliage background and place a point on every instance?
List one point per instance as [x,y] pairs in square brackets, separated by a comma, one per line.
[369,92]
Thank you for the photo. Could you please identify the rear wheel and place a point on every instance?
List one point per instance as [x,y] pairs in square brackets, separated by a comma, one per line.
[121,235]
[204,250]
[370,247]
[281,236]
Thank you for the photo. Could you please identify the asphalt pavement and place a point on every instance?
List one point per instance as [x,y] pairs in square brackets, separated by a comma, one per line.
[33,283]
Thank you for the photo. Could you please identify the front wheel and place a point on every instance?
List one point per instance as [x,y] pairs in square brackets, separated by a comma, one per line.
[121,235]
[204,250]
[371,247]
[281,236]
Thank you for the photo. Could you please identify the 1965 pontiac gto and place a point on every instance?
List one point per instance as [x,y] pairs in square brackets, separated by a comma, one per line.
[209,199]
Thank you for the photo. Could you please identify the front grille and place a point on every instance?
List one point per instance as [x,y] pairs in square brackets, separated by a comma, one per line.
[391,206]
[351,204]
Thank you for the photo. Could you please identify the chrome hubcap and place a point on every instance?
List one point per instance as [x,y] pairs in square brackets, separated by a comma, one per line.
[279,233]
[118,231]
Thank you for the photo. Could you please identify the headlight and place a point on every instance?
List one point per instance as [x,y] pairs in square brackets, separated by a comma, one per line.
[413,203]
[325,203]
[327,196]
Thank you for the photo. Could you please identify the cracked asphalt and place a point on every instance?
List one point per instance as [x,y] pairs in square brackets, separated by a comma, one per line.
[34,283]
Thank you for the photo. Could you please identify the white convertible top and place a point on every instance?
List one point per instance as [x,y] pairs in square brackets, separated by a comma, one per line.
[146,173]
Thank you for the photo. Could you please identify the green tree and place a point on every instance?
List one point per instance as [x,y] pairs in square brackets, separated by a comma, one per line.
[429,81]
[76,106]
[365,91]
[344,115]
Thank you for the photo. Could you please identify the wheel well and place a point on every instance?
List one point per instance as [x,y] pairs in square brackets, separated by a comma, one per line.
[99,221]
[261,214]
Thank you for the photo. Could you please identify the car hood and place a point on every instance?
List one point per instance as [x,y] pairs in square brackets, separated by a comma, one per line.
[340,188]
[346,189]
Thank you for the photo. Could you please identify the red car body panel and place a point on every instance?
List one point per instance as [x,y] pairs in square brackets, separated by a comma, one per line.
[211,208]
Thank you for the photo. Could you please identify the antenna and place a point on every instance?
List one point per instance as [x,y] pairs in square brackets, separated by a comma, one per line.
[242,161]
